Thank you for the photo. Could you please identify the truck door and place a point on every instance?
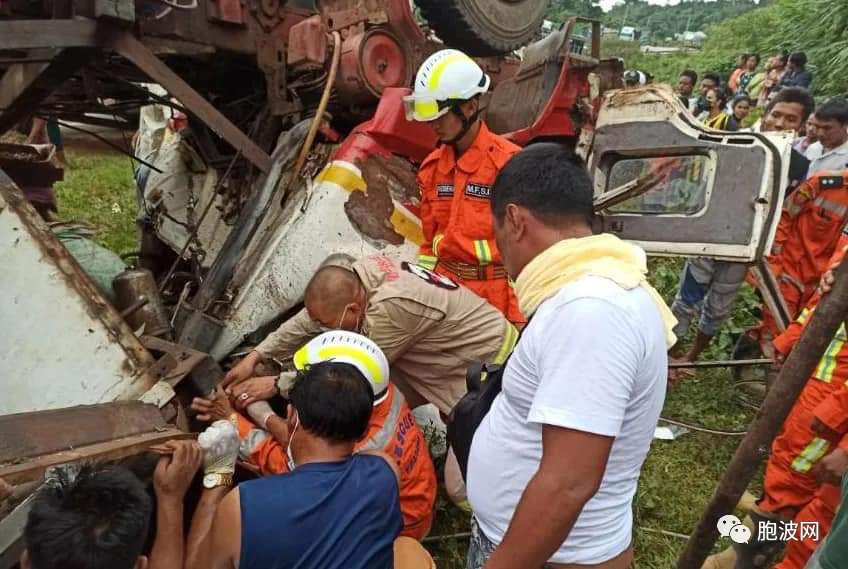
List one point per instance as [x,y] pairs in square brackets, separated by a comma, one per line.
[674,187]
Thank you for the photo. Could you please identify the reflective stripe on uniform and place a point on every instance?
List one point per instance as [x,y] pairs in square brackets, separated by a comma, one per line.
[436,241]
[509,341]
[793,208]
[250,443]
[827,365]
[834,207]
[427,261]
[483,251]
[786,277]
[811,454]
[804,316]
[382,437]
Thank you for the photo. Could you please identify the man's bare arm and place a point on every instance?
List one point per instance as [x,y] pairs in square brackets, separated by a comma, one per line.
[570,473]
[214,541]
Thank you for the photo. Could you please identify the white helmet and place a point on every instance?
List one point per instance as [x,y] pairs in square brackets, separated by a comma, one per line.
[446,78]
[341,346]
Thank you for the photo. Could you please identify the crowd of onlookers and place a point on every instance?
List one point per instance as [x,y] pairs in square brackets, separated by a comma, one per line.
[725,105]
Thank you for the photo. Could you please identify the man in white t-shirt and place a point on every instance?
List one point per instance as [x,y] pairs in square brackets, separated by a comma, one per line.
[554,465]
[831,151]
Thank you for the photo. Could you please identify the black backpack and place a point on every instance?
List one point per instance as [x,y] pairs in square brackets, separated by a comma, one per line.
[484,382]
[467,415]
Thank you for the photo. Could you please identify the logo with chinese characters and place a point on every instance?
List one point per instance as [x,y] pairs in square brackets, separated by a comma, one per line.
[730,526]
[787,531]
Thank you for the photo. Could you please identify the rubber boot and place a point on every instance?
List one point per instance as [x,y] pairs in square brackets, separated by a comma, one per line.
[746,348]
[757,553]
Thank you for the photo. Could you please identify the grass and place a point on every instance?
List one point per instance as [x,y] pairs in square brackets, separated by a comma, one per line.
[679,476]
[98,189]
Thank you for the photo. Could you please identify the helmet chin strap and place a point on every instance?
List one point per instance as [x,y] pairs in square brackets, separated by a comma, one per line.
[467,123]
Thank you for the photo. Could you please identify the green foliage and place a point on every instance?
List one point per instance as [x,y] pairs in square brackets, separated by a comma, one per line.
[817,27]
[656,22]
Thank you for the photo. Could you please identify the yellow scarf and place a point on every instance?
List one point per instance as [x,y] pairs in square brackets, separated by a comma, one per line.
[602,255]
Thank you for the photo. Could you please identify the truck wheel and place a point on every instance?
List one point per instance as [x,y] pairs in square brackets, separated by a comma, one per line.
[485,27]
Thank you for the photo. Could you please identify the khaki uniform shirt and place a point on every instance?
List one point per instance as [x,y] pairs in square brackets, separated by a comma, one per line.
[429,328]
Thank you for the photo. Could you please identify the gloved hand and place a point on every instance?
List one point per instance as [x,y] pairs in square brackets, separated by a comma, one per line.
[220,441]
[285,382]
[260,412]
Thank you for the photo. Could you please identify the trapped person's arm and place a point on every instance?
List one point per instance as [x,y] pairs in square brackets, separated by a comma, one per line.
[586,374]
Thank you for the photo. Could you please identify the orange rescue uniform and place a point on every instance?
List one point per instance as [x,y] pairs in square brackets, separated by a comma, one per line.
[813,218]
[393,430]
[456,217]
[790,488]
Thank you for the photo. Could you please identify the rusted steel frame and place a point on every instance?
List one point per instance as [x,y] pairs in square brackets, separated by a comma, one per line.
[76,280]
[25,86]
[826,320]
[179,362]
[126,45]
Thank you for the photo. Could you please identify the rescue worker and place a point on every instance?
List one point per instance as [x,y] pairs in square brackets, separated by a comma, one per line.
[429,327]
[392,428]
[816,426]
[812,220]
[456,179]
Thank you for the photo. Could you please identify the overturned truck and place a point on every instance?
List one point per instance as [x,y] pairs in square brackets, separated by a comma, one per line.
[273,136]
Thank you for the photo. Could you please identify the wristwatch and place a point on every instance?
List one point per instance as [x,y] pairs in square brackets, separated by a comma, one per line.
[214,480]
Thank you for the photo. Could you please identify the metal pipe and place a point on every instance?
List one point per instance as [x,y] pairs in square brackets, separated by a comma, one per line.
[819,332]
[721,363]
[319,115]
[132,308]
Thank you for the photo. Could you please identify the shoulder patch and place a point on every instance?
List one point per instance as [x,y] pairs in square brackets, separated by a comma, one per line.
[831,182]
[481,191]
[429,276]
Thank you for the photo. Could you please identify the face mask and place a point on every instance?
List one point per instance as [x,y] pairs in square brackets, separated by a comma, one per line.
[357,328]
[291,463]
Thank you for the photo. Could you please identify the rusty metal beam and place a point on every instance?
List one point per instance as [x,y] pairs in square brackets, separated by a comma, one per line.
[30,85]
[129,47]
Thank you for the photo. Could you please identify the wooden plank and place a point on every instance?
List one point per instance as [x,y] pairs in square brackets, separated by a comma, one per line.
[33,34]
[43,432]
[17,79]
[12,535]
[113,450]
[129,47]
[22,101]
